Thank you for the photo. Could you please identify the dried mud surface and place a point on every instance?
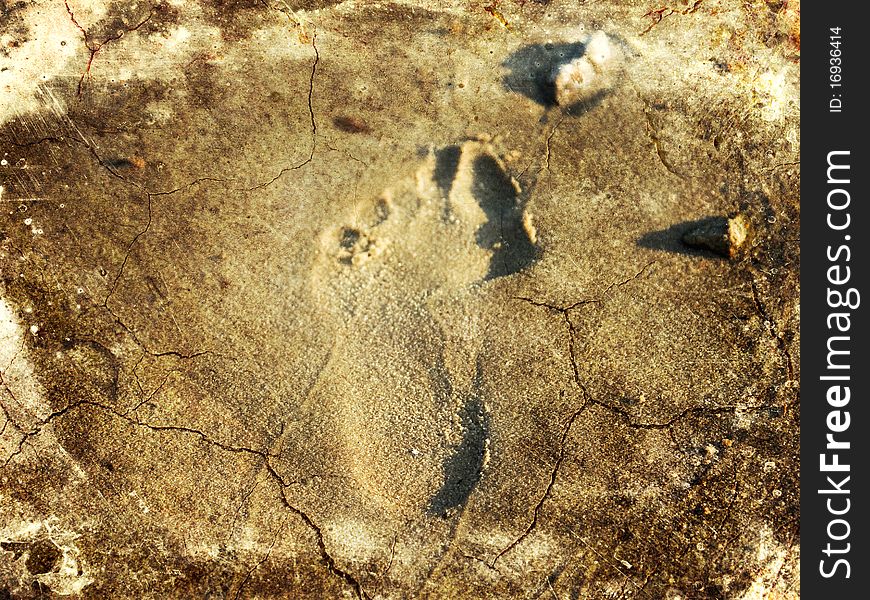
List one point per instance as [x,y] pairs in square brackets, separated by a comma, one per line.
[309,299]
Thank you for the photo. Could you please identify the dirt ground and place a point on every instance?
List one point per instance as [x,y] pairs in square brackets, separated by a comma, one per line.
[319,299]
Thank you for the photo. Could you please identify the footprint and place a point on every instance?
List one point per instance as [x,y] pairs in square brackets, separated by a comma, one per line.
[458,220]
[399,282]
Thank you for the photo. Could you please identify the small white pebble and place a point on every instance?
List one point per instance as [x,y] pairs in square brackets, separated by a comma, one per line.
[34,329]
[588,75]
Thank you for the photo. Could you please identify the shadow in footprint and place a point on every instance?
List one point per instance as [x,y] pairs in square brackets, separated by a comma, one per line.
[464,468]
[532,67]
[671,239]
[504,231]
[446,163]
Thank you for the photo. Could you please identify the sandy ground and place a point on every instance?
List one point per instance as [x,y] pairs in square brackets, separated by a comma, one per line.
[391,300]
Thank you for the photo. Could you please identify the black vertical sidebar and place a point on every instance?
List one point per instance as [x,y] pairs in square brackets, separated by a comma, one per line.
[835,299]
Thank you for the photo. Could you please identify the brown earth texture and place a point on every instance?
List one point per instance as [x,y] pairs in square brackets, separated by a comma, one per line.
[380,300]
